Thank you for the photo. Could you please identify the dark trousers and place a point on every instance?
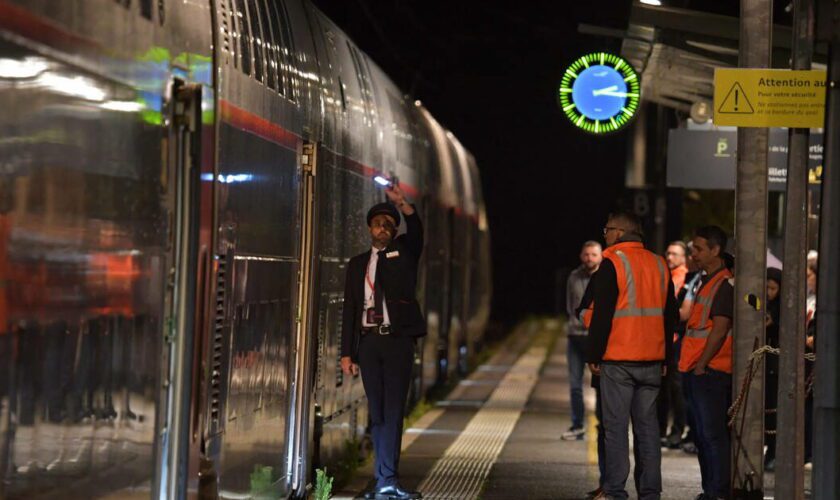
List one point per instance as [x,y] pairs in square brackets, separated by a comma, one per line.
[602,459]
[710,395]
[386,362]
[771,398]
[629,391]
[575,357]
[671,398]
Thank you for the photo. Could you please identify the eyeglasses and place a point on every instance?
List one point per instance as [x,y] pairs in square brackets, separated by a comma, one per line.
[611,228]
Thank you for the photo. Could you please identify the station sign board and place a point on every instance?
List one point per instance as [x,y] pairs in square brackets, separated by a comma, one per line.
[747,97]
[707,159]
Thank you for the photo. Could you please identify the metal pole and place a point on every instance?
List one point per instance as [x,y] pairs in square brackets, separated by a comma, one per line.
[790,475]
[751,256]
[826,481]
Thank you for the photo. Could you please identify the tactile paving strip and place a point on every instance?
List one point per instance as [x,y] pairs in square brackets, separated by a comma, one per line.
[461,471]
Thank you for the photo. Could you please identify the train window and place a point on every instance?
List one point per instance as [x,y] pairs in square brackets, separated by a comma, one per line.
[244,36]
[269,45]
[146,8]
[284,46]
[343,98]
[361,75]
[228,34]
[259,56]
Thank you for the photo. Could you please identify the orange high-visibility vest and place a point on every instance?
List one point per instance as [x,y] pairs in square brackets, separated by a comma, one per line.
[700,325]
[585,316]
[638,325]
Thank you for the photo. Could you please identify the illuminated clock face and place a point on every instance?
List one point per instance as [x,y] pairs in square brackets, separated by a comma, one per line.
[599,93]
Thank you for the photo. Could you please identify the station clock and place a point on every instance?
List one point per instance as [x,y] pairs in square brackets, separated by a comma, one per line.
[599,93]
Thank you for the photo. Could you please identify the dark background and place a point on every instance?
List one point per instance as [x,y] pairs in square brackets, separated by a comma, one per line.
[489,72]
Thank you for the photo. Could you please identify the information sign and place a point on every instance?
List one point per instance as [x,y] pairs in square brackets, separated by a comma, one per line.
[747,97]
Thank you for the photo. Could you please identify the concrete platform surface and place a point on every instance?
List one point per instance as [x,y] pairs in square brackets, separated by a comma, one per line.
[497,435]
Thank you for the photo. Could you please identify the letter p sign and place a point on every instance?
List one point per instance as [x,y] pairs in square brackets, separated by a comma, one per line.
[722,147]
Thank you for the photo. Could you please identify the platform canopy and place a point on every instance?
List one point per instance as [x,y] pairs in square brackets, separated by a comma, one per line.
[677,50]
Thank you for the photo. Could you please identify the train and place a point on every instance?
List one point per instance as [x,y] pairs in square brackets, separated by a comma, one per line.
[182,184]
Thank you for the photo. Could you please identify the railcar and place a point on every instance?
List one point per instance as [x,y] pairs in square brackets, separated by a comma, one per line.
[181,187]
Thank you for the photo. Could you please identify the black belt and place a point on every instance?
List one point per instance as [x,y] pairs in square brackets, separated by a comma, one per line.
[379,330]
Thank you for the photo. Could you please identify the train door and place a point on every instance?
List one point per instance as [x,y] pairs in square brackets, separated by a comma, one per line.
[181,172]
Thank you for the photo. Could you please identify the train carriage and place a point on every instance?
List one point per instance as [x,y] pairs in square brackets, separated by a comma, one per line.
[181,187]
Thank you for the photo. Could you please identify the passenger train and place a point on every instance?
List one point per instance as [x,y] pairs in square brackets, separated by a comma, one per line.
[181,186]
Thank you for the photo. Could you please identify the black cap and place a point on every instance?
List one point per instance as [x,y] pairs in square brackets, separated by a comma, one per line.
[384,208]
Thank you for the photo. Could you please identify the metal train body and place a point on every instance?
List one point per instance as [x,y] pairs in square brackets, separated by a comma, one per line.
[181,186]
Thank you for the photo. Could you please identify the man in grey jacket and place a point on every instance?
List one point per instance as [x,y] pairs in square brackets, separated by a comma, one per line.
[590,257]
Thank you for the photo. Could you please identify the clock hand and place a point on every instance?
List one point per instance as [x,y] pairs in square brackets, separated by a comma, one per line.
[597,92]
[616,94]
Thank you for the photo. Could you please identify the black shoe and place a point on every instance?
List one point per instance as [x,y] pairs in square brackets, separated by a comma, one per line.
[689,448]
[596,493]
[673,441]
[369,495]
[396,493]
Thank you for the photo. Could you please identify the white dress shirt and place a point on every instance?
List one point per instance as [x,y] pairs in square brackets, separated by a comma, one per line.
[369,292]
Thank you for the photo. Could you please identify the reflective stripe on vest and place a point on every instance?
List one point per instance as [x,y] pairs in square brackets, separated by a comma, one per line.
[699,327]
[705,302]
[633,309]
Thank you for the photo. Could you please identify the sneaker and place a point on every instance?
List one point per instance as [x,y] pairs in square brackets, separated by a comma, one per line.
[574,433]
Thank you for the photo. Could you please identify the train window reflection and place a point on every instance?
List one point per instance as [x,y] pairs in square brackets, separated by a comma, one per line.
[284,46]
[244,31]
[269,47]
[258,38]
[28,67]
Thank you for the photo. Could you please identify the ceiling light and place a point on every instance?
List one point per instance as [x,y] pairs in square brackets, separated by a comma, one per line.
[658,3]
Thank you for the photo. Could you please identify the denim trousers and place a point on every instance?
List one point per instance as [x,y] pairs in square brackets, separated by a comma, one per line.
[709,396]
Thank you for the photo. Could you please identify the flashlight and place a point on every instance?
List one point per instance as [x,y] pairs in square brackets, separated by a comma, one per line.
[382,181]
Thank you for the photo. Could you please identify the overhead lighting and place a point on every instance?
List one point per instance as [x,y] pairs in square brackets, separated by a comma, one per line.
[657,3]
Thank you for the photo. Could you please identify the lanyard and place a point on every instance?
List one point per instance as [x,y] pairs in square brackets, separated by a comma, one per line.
[367,275]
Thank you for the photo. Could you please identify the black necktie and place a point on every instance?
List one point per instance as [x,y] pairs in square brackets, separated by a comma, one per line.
[377,290]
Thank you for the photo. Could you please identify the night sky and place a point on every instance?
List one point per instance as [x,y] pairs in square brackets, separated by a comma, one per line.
[489,72]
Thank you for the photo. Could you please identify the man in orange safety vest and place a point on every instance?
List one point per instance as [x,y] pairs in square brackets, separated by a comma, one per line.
[634,313]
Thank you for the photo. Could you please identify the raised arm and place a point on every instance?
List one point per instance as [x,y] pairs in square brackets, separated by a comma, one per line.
[413,237]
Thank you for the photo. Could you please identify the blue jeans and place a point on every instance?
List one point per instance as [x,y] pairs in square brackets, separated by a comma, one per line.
[709,396]
[575,357]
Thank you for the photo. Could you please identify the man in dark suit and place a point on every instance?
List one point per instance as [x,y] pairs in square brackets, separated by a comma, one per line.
[381,319]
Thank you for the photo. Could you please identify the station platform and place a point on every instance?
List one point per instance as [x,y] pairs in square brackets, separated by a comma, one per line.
[497,434]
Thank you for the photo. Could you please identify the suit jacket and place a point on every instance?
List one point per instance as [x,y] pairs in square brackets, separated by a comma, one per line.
[398,274]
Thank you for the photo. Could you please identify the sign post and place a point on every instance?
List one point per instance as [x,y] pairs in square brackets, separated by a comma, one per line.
[750,258]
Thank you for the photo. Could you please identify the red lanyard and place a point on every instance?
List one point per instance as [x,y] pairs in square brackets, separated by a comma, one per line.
[367,275]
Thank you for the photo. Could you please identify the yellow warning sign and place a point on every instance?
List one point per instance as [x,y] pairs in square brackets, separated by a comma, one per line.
[769,98]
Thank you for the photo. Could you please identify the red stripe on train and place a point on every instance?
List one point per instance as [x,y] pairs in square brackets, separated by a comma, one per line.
[28,25]
[258,126]
[269,131]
